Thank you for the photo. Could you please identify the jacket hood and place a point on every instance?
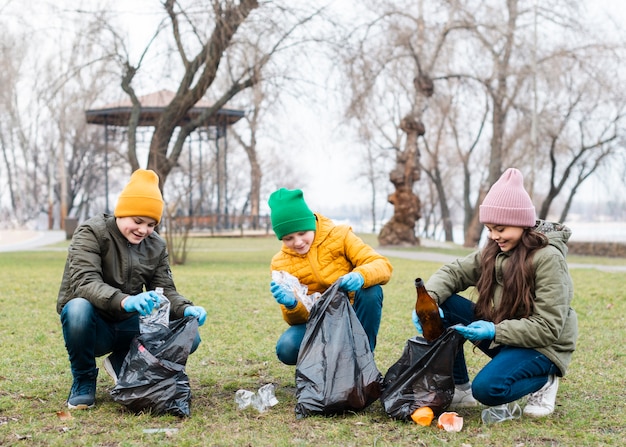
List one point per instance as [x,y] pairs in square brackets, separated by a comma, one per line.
[558,234]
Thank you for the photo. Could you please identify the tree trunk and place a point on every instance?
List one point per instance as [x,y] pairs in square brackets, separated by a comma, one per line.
[255,190]
[400,229]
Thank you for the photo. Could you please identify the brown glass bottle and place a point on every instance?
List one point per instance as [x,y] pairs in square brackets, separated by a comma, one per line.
[428,312]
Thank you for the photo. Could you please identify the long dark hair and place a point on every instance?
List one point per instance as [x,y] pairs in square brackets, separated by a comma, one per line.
[518,291]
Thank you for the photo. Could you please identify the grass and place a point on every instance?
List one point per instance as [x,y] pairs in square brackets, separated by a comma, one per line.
[230,278]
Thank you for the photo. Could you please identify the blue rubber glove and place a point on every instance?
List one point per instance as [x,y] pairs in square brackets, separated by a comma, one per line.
[142,303]
[478,330]
[283,296]
[351,282]
[416,320]
[196,311]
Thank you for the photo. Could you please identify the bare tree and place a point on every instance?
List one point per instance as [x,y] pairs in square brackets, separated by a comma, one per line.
[374,172]
[490,49]
[81,74]
[200,56]
[454,107]
[200,71]
[12,51]
[497,34]
[253,118]
[405,59]
[525,68]
[582,124]
[52,155]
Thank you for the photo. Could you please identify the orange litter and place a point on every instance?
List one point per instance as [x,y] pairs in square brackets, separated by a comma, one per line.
[423,416]
[450,421]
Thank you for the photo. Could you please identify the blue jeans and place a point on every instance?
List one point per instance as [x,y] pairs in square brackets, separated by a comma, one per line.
[512,372]
[87,336]
[368,307]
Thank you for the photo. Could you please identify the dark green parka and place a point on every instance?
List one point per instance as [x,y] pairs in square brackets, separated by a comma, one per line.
[104,268]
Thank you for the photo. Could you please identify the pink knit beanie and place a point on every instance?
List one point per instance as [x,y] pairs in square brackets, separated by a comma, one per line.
[508,203]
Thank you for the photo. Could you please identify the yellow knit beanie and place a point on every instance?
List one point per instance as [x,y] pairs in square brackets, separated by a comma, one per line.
[141,196]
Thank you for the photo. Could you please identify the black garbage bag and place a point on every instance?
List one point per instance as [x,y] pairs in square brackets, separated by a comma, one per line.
[422,377]
[153,377]
[335,372]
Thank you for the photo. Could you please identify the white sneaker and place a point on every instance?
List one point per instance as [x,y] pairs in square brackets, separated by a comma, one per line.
[463,399]
[541,403]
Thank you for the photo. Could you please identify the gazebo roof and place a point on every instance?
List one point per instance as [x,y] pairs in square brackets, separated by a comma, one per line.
[152,106]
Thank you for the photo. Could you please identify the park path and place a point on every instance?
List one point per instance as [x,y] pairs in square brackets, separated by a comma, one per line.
[445,258]
[19,240]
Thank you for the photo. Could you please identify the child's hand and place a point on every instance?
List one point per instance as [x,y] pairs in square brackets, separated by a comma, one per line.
[351,282]
[478,330]
[283,296]
[418,324]
[197,312]
[142,303]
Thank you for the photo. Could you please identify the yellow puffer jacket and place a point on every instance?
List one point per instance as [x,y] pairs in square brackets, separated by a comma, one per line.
[335,251]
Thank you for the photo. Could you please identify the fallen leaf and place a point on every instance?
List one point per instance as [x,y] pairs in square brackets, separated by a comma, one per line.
[64,415]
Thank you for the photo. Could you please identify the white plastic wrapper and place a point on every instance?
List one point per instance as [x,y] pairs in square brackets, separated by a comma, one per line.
[262,400]
[299,290]
[159,317]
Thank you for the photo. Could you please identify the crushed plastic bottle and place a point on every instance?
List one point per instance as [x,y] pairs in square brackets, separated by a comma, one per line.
[262,400]
[266,395]
[501,413]
[243,398]
[159,317]
[299,290]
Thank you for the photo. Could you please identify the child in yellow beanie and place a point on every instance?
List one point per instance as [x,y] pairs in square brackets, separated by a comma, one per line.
[114,264]
[317,253]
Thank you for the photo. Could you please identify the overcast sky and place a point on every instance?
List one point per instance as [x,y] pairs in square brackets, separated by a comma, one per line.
[317,150]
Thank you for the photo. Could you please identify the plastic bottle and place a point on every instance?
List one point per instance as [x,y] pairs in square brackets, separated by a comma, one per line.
[501,413]
[159,317]
[428,312]
[159,291]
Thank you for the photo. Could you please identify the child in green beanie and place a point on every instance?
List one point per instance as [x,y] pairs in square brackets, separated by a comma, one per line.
[317,252]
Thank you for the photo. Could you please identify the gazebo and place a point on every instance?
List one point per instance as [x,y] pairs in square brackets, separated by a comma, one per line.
[152,106]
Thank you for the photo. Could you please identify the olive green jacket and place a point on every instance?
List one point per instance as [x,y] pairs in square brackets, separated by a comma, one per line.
[104,268]
[552,329]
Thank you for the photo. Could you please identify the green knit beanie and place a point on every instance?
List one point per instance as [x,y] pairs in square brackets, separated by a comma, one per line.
[290,212]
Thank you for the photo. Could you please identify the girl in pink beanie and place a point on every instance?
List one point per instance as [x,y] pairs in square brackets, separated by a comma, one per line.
[522,317]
